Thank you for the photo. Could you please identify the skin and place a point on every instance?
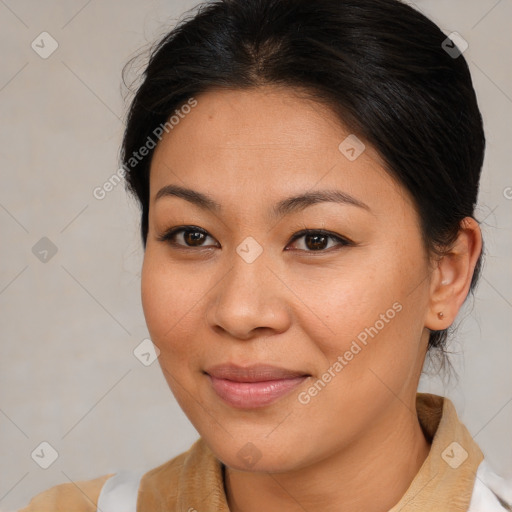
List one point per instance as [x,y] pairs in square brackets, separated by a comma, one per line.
[295,307]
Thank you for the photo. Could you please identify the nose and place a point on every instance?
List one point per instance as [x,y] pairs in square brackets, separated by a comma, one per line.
[249,300]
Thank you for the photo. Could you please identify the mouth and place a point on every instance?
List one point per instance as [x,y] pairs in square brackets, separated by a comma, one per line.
[251,387]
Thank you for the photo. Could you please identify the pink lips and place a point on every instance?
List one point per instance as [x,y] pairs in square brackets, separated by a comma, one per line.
[253,386]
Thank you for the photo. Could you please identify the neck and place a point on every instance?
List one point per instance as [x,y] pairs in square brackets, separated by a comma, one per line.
[369,475]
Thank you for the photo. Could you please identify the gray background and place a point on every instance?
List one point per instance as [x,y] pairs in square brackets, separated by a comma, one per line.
[70,325]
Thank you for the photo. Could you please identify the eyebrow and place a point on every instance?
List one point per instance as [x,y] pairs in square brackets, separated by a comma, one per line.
[284,207]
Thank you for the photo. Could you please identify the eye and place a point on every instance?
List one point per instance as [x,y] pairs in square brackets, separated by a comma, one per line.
[192,235]
[315,240]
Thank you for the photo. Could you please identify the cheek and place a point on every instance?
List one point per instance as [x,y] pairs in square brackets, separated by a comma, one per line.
[372,314]
[171,308]
[154,295]
[170,303]
[163,307]
[349,298]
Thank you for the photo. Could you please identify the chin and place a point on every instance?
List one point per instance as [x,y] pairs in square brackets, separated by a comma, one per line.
[260,454]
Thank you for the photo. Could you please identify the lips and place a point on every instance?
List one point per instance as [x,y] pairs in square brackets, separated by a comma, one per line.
[254,386]
[255,373]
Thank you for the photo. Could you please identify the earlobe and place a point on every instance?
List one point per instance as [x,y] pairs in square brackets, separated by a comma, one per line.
[451,279]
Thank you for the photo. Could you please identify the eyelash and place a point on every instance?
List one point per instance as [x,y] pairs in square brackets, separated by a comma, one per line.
[169,235]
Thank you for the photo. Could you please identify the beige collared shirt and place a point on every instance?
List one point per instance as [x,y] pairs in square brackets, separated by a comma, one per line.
[193,480]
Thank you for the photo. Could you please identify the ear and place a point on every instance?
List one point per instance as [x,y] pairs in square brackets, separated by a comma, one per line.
[452,276]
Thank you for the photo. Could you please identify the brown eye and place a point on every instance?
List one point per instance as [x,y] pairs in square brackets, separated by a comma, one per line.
[192,236]
[317,240]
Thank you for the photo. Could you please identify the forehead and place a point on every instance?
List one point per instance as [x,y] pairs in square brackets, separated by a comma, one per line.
[261,142]
[264,117]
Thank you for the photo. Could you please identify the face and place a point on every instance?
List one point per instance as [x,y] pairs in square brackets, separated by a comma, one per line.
[338,312]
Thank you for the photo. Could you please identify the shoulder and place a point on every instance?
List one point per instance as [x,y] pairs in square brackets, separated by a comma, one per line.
[156,489]
[491,493]
[81,496]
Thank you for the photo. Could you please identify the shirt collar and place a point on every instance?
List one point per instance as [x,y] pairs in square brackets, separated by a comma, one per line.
[447,475]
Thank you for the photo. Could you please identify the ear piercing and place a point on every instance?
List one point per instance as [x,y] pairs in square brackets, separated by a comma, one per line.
[440,314]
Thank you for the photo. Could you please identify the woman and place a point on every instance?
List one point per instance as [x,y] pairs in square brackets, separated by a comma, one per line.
[326,157]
